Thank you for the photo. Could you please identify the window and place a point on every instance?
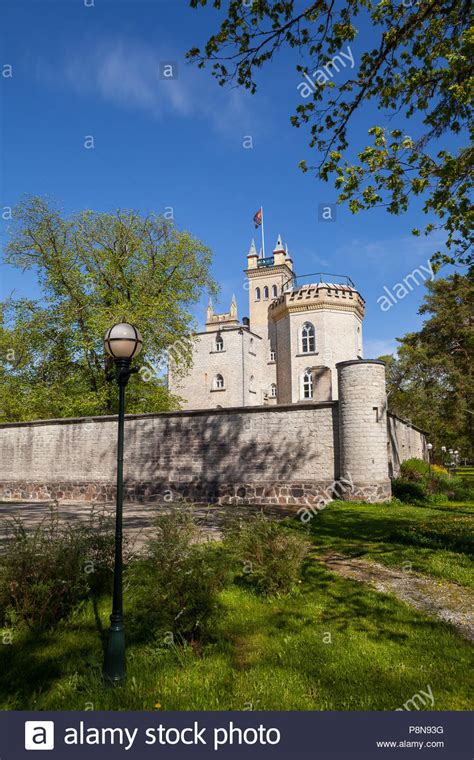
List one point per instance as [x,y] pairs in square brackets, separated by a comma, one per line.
[275,291]
[273,390]
[265,293]
[219,343]
[272,356]
[257,294]
[308,340]
[218,382]
[251,383]
[251,346]
[307,384]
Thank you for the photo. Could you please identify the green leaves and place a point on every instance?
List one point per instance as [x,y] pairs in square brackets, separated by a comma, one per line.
[94,269]
[431,381]
[419,65]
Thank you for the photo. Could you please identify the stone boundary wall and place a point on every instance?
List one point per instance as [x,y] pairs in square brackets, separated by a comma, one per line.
[287,456]
[276,455]
[404,442]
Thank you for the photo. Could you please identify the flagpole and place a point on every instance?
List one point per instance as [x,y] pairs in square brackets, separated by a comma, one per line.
[263,234]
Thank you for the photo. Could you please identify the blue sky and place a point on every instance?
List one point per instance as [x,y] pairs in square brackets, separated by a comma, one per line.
[94,71]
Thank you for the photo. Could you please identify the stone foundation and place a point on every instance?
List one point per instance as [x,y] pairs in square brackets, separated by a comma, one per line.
[289,494]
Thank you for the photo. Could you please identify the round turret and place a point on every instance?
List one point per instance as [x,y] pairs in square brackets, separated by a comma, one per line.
[363,429]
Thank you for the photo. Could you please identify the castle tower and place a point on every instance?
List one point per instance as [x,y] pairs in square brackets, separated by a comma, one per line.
[315,325]
[266,277]
[363,430]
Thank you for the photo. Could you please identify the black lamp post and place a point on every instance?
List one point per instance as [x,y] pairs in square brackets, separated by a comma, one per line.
[123,342]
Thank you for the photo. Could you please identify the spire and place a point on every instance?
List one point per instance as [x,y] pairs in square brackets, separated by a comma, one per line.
[252,249]
[279,245]
[210,310]
[261,252]
[286,249]
[233,306]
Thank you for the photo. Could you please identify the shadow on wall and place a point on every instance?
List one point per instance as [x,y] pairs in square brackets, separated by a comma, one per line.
[231,458]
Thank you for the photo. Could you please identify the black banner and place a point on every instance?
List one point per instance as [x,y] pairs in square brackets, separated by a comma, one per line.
[329,736]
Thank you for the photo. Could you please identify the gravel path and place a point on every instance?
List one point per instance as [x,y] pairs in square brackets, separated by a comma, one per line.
[447,601]
[137,518]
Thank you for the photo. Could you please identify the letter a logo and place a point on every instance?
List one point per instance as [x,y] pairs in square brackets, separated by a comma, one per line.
[39,734]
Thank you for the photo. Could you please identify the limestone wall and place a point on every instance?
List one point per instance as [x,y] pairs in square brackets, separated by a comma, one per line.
[274,455]
[282,455]
[404,442]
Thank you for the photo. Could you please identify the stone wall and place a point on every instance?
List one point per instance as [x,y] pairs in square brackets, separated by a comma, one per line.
[290,456]
[404,442]
[265,455]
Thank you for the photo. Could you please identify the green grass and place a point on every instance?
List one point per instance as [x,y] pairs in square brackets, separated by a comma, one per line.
[465,472]
[333,645]
[436,540]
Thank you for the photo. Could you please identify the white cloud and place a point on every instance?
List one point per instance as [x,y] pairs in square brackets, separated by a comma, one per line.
[127,74]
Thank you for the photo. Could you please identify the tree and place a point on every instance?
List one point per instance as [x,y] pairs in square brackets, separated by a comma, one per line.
[95,269]
[431,381]
[420,66]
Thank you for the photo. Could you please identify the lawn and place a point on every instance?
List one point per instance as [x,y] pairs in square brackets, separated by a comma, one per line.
[333,645]
[436,540]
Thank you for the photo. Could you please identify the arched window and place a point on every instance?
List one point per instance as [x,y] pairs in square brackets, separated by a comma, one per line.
[257,294]
[251,383]
[218,382]
[307,384]
[308,339]
[265,293]
[251,345]
[219,342]
[275,291]
[273,390]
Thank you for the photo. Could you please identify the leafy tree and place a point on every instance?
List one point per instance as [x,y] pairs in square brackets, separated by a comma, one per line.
[431,381]
[419,67]
[95,269]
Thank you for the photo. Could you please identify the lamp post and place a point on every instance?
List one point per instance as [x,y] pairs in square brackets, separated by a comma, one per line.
[123,342]
[429,446]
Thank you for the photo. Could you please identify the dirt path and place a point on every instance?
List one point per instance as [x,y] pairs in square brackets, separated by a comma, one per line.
[447,601]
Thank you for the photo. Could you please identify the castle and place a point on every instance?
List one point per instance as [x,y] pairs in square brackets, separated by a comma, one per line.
[286,350]
[280,409]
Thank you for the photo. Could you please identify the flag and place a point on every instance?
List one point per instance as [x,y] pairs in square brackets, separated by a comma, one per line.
[257,220]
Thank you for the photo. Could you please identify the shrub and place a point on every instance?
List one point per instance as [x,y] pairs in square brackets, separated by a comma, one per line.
[414,469]
[174,588]
[408,491]
[436,482]
[46,572]
[267,556]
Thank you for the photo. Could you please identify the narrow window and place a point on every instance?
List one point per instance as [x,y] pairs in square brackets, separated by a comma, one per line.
[251,347]
[265,293]
[219,343]
[308,340]
[275,291]
[273,390]
[307,384]
[218,382]
[251,382]
[272,356]
[257,294]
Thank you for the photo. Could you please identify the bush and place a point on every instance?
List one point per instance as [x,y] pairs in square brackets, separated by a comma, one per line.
[174,588]
[267,556]
[408,491]
[414,469]
[436,483]
[46,572]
